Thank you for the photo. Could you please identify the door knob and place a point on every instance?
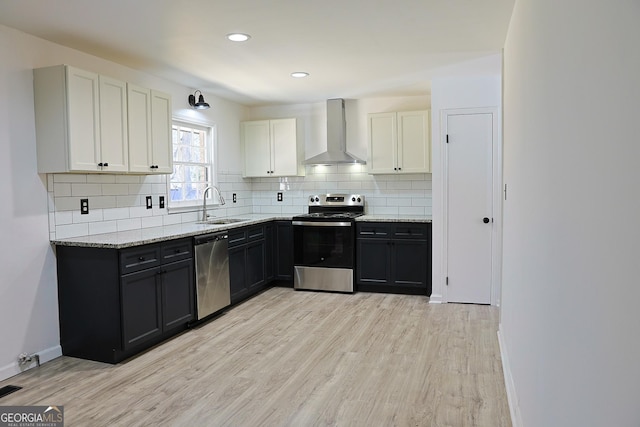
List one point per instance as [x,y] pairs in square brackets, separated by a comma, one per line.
[485,220]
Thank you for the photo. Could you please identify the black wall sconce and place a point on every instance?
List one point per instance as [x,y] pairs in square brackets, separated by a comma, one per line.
[200,105]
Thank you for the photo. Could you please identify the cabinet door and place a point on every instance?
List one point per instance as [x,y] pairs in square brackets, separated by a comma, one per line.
[83,120]
[284,153]
[382,131]
[256,148]
[373,261]
[283,250]
[410,263]
[414,149]
[255,265]
[269,253]
[139,117]
[237,274]
[114,137]
[161,142]
[177,294]
[141,307]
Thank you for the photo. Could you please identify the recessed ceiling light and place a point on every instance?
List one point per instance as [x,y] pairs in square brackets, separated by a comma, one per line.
[238,37]
[299,74]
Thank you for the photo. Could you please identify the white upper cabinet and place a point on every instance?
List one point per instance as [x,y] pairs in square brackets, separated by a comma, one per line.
[114,140]
[87,122]
[149,130]
[271,148]
[76,129]
[399,142]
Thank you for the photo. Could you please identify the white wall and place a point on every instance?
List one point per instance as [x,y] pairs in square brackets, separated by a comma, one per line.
[471,91]
[570,320]
[28,292]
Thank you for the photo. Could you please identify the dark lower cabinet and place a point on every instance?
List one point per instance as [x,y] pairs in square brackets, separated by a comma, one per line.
[393,257]
[283,250]
[115,303]
[247,258]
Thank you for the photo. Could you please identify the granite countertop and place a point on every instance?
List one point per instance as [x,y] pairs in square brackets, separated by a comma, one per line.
[394,218]
[125,239]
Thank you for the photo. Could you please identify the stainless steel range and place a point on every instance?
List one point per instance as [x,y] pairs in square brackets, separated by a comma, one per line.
[324,243]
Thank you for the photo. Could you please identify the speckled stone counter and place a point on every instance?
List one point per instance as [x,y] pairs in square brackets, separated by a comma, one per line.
[394,218]
[125,239]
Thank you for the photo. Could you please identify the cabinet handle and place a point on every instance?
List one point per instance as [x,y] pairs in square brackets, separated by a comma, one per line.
[395,169]
[399,169]
[100,164]
[106,164]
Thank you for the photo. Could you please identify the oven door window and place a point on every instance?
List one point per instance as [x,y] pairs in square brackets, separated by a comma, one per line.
[330,247]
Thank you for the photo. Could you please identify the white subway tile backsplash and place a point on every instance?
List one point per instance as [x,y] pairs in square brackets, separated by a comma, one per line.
[152,221]
[129,224]
[127,201]
[171,219]
[115,214]
[62,189]
[101,179]
[69,177]
[83,190]
[117,202]
[94,215]
[115,189]
[102,227]
[103,202]
[127,179]
[73,230]
[63,217]
[139,212]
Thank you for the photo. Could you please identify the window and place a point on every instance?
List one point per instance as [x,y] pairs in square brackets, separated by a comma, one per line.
[192,164]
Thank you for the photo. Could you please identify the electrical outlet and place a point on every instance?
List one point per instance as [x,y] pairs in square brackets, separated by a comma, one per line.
[235,198]
[279,197]
[161,202]
[84,206]
[149,202]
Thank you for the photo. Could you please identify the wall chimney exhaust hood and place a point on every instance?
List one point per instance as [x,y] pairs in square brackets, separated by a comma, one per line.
[336,138]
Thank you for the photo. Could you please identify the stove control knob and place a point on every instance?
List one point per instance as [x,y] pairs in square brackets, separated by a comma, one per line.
[317,199]
[311,200]
[353,199]
[359,199]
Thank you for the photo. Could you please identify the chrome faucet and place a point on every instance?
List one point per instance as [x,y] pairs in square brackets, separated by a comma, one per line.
[204,200]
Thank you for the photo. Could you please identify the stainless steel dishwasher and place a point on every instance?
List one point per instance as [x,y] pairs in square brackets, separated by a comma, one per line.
[212,273]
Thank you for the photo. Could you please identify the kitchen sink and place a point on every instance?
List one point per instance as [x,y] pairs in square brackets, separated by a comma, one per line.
[221,221]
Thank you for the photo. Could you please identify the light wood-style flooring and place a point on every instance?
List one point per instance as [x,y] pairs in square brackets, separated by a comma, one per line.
[291,358]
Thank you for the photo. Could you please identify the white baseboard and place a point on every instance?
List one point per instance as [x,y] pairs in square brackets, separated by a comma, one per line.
[15,368]
[514,406]
[435,299]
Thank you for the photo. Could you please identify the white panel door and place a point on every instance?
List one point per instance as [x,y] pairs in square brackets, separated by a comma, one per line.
[284,156]
[469,207]
[256,146]
[139,110]
[383,143]
[114,146]
[414,150]
[83,120]
[161,141]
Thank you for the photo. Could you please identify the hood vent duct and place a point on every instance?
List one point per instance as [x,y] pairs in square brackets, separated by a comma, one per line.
[336,138]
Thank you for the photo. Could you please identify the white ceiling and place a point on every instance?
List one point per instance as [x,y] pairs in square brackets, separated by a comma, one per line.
[351,48]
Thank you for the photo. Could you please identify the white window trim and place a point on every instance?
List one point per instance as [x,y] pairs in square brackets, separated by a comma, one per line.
[182,207]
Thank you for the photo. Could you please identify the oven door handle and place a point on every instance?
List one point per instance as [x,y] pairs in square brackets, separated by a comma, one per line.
[322,223]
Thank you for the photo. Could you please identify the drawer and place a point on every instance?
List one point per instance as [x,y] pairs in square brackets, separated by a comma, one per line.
[176,250]
[255,233]
[237,237]
[373,230]
[411,231]
[139,258]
